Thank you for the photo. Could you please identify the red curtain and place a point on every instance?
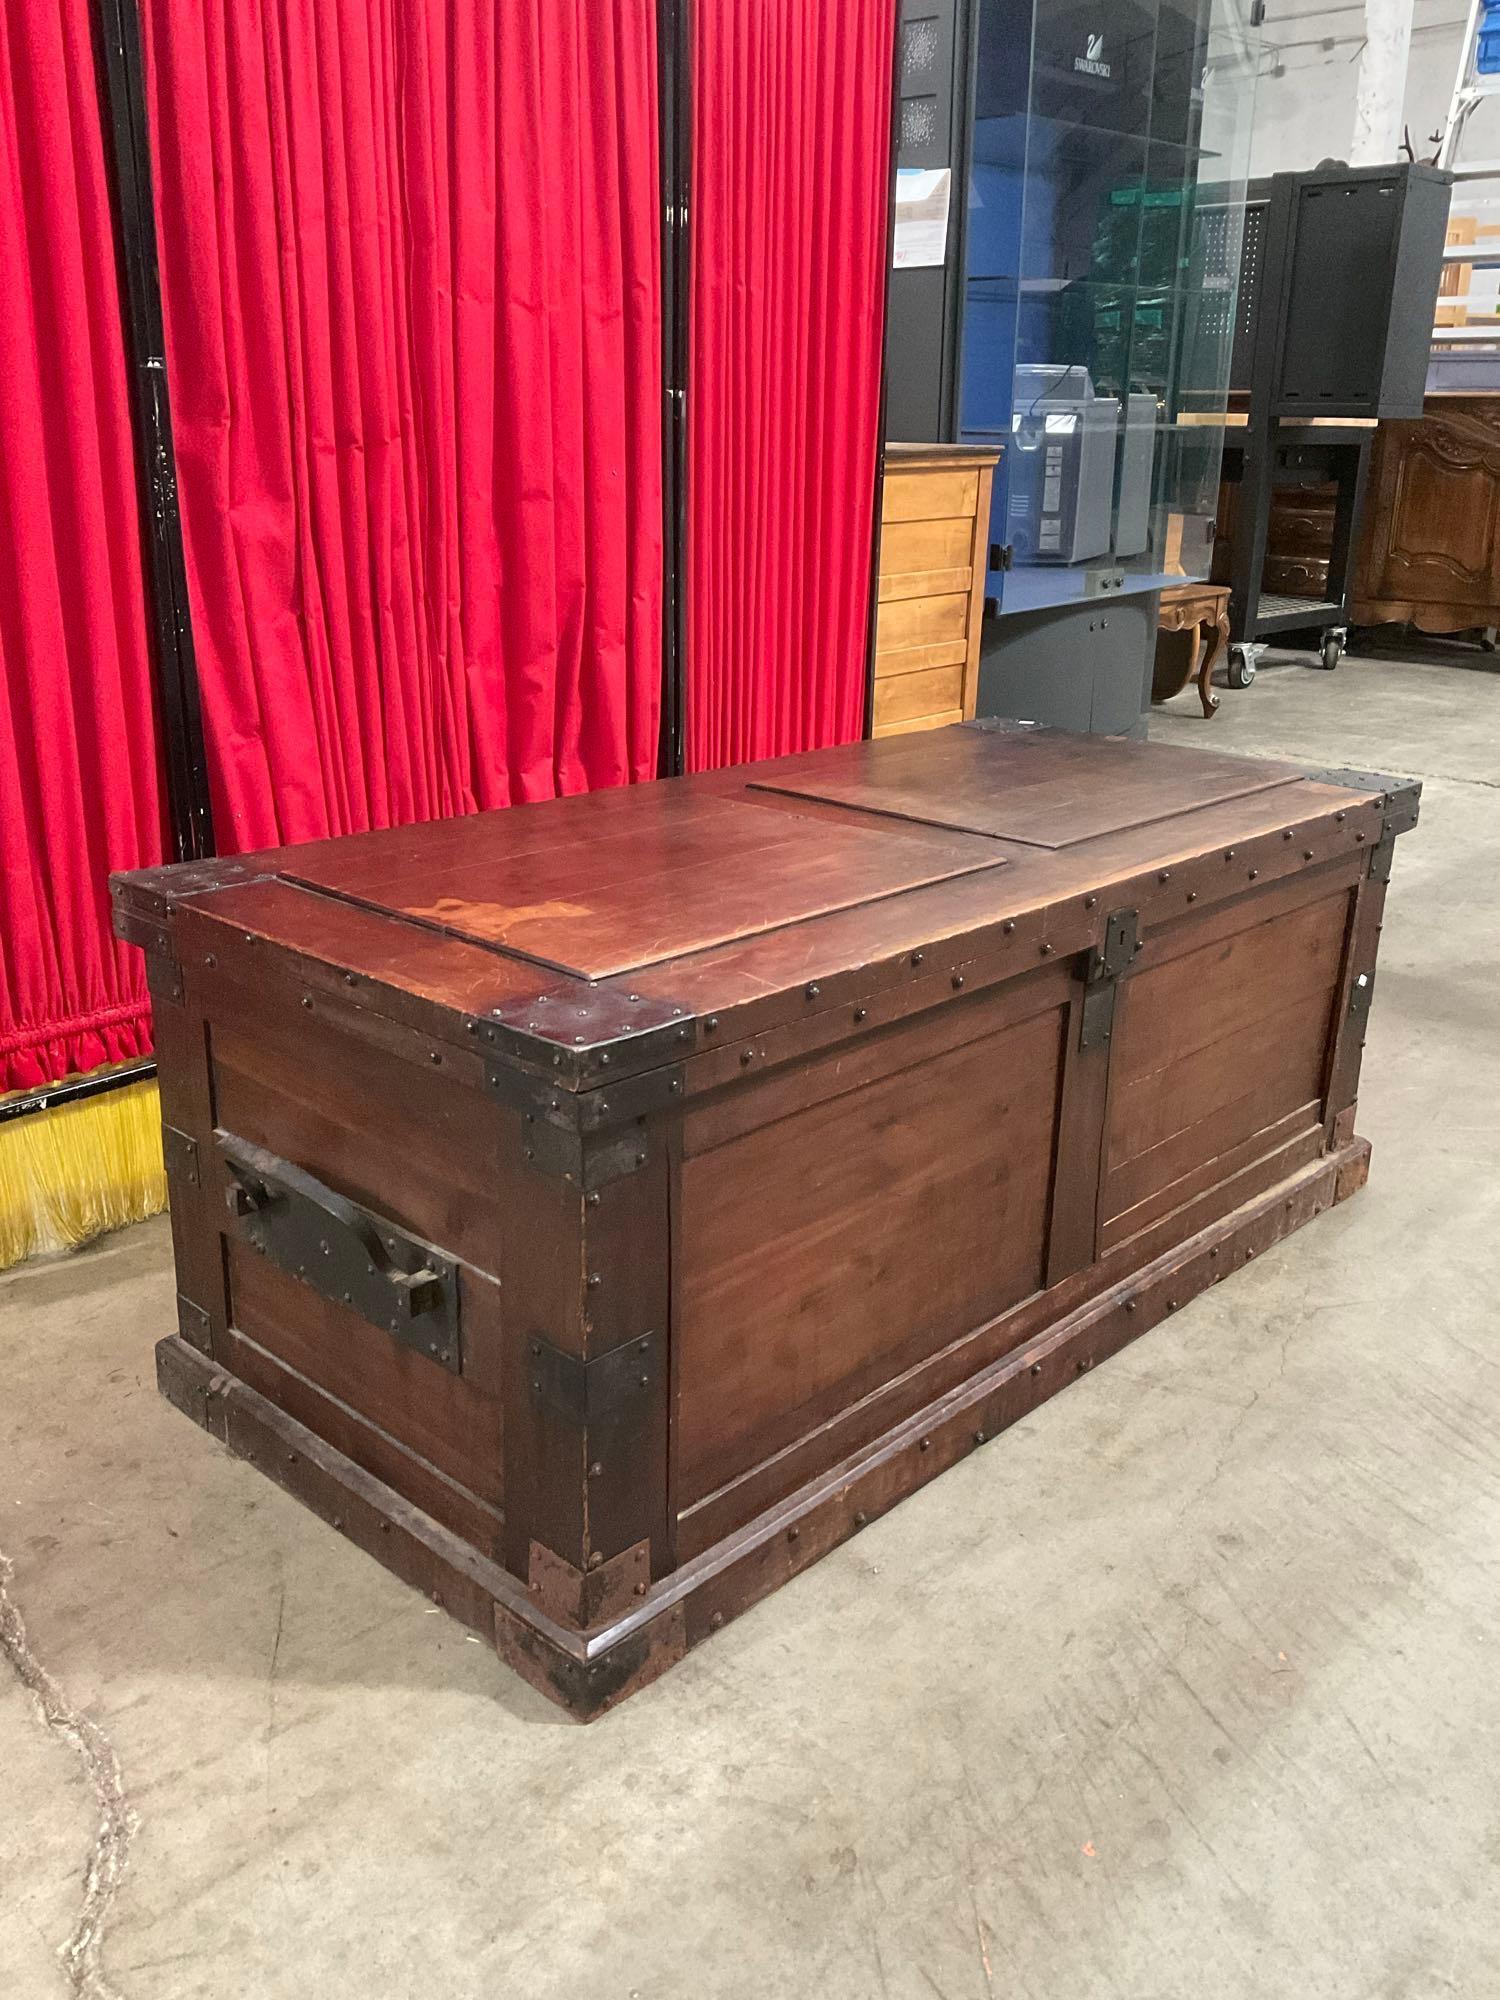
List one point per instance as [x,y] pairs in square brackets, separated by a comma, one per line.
[79,780]
[791,164]
[409,260]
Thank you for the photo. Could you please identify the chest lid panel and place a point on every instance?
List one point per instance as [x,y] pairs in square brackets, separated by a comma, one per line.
[622,880]
[1040,788]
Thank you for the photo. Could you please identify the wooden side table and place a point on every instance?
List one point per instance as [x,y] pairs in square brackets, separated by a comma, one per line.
[1191,636]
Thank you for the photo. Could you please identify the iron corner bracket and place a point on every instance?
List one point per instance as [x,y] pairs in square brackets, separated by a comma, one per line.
[194,1324]
[581,1035]
[1401,797]
[152,891]
[586,1137]
[586,1392]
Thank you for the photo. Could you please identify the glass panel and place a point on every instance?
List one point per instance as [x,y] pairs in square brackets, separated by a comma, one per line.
[1196,397]
[1105,206]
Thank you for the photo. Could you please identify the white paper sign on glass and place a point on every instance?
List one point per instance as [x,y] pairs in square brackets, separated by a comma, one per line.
[921,234]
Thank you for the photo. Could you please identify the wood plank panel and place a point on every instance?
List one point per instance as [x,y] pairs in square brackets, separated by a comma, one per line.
[899,697]
[1245,1101]
[939,721]
[923,621]
[1045,789]
[706,870]
[909,546]
[1300,1131]
[290,1083]
[1217,1044]
[923,582]
[1277,1064]
[1221,991]
[882,1052]
[740,1499]
[375,1451]
[929,496]
[435,1413]
[927,1190]
[911,659]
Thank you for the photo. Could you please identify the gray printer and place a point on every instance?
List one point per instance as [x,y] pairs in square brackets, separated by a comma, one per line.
[1062,468]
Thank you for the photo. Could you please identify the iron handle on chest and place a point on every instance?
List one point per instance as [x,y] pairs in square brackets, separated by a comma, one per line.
[388,1276]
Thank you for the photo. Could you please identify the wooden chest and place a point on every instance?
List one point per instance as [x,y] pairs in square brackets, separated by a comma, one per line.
[598,1210]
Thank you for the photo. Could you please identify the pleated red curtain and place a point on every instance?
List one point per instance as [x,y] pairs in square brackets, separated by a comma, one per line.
[791,164]
[409,260]
[80,790]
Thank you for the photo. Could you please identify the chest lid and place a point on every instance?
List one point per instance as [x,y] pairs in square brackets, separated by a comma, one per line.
[1039,788]
[613,883]
[594,937]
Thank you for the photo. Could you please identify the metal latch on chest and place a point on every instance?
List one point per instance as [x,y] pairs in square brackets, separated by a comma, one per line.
[1122,940]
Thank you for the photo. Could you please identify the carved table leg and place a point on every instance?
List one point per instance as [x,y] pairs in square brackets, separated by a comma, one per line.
[1217,641]
[1176,655]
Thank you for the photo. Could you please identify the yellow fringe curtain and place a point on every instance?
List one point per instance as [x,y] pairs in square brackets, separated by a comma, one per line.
[72,1172]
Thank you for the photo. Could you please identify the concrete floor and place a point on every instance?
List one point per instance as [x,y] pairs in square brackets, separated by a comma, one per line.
[1187,1687]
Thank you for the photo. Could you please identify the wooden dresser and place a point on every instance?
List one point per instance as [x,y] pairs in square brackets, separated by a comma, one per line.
[1429,549]
[934,520]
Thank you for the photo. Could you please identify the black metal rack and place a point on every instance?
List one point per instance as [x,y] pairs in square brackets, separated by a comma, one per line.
[1263,459]
[1338,271]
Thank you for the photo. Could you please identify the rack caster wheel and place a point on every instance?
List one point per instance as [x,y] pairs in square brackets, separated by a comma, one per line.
[1241,666]
[1333,647]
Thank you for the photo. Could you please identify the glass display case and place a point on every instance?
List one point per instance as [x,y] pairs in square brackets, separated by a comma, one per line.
[1109,152]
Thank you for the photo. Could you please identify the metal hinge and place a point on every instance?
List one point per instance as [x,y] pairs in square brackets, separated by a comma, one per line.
[180,1153]
[163,972]
[1122,940]
[584,1392]
[1360,994]
[1382,854]
[1002,555]
[194,1324]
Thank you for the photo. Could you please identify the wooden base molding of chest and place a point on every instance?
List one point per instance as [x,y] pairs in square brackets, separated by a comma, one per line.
[599,1210]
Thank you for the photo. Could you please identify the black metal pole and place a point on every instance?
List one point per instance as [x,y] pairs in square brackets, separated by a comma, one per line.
[674,111]
[872,616]
[966,74]
[122,100]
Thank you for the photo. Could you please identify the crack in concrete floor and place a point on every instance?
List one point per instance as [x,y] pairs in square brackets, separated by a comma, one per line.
[82,1952]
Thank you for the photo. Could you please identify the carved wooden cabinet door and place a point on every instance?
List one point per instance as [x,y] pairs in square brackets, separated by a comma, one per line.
[1430,548]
